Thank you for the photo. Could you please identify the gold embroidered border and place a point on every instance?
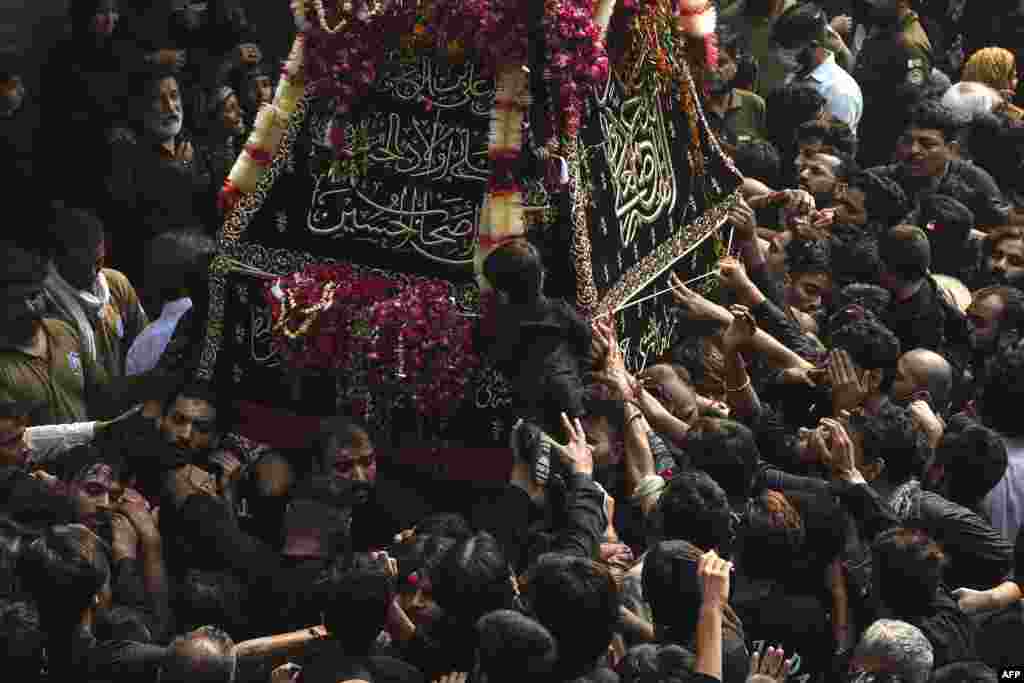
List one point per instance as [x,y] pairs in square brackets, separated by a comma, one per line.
[586,291]
[237,222]
[667,253]
[285,262]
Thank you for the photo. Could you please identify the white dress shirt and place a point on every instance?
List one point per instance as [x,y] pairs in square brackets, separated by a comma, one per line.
[46,442]
[1004,504]
[843,97]
[153,340]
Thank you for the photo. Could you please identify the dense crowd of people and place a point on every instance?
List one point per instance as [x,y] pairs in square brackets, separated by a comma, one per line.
[822,480]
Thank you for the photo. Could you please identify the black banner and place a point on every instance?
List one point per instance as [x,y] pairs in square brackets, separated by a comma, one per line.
[656,202]
[409,195]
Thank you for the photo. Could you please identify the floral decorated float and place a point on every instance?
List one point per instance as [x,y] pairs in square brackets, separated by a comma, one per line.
[406,141]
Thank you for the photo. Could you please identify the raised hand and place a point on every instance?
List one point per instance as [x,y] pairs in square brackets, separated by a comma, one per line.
[925,418]
[842,455]
[971,601]
[848,390]
[732,274]
[125,539]
[842,24]
[576,455]
[741,330]
[743,220]
[695,306]
[136,510]
[714,573]
[811,377]
[773,666]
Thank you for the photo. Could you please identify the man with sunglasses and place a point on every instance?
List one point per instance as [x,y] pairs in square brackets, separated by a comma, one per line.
[802,33]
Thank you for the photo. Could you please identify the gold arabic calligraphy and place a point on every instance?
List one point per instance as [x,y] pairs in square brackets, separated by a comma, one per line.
[639,159]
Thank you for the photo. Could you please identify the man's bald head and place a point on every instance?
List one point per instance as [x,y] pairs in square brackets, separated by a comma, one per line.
[205,655]
[923,370]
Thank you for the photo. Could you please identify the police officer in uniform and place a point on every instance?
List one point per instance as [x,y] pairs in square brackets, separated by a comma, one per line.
[893,66]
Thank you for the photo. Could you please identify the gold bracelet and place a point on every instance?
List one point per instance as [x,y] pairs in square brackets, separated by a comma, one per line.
[739,388]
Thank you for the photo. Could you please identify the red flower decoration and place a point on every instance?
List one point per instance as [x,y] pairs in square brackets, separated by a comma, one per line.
[407,334]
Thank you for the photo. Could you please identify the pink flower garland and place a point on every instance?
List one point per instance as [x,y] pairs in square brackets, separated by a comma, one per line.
[342,65]
[405,335]
[576,60]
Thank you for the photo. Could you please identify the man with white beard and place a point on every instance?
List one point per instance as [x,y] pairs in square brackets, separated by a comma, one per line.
[156,181]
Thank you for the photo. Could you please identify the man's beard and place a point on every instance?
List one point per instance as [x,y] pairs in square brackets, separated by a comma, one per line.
[164,127]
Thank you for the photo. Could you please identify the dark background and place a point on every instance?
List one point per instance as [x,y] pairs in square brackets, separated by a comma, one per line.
[36,26]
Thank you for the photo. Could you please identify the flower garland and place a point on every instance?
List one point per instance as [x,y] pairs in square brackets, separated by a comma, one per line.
[342,62]
[576,60]
[268,130]
[409,336]
[501,217]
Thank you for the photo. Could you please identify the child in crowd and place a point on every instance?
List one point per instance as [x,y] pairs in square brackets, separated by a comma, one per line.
[539,344]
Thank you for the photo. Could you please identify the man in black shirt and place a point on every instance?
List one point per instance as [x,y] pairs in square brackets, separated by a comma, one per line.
[926,164]
[68,574]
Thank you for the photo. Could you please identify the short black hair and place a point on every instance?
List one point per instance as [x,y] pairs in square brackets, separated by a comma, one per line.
[872,298]
[773,536]
[513,647]
[672,588]
[975,460]
[578,600]
[727,451]
[948,224]
[906,252]
[71,228]
[885,201]
[63,571]
[473,579]
[788,106]
[871,345]
[357,607]
[516,269]
[836,136]
[445,524]
[176,261]
[693,507]
[420,556]
[891,434]
[759,159]
[854,257]
[1003,393]
[931,114]
[909,566]
[204,391]
[808,256]
[802,24]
